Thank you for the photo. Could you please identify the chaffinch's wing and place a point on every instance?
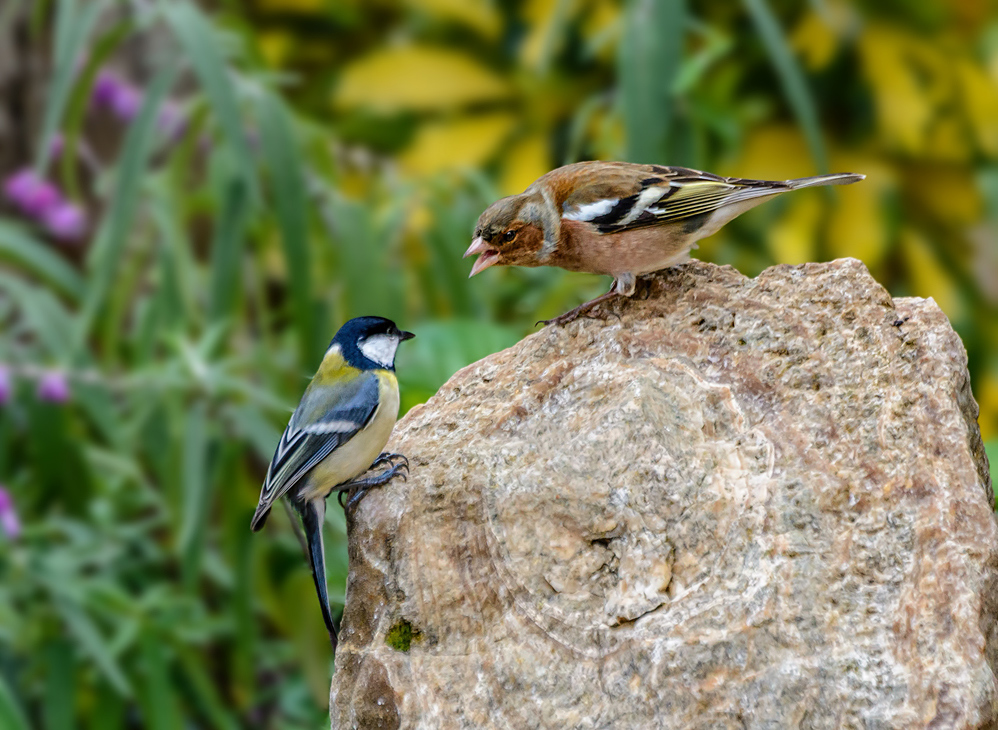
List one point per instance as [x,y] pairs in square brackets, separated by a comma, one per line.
[615,197]
[329,415]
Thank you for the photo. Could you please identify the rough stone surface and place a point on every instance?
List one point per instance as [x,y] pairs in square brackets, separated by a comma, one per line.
[746,503]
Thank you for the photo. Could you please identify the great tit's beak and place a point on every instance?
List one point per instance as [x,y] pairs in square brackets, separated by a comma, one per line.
[487,256]
[403,336]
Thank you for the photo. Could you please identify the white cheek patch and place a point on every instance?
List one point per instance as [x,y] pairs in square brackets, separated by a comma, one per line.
[380,349]
[590,210]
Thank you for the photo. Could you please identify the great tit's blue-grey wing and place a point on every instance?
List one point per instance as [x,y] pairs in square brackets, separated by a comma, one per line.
[329,415]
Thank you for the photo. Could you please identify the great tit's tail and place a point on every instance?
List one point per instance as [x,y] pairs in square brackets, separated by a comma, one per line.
[838,178]
[313,514]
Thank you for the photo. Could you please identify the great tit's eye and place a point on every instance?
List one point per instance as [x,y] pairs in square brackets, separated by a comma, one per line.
[508,236]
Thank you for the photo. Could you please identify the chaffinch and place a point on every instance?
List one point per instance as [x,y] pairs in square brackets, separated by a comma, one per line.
[617,218]
[336,434]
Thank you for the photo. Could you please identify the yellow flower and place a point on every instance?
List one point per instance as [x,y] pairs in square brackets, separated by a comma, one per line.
[417,78]
[464,142]
[979,97]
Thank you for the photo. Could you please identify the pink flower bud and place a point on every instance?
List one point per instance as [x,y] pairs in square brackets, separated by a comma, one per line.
[53,387]
[30,193]
[126,102]
[105,87]
[6,386]
[9,522]
[66,221]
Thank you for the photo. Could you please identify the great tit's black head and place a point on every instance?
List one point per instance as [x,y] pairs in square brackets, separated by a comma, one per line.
[369,343]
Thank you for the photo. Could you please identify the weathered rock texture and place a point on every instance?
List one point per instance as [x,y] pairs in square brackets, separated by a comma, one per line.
[746,503]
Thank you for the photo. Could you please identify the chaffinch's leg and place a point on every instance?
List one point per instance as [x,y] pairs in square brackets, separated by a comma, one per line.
[623,285]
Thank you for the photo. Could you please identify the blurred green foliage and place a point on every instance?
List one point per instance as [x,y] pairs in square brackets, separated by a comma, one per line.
[332,159]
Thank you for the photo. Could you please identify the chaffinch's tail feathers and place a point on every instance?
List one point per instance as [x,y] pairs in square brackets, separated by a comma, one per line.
[690,193]
[838,178]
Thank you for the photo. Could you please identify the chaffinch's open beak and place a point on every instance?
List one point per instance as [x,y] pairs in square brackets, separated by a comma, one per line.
[487,256]
[403,336]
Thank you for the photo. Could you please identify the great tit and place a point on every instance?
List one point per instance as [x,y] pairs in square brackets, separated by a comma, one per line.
[336,434]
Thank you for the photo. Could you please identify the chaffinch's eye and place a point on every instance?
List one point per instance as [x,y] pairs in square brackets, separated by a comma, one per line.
[508,236]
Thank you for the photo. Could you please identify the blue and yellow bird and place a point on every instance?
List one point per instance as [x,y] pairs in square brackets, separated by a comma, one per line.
[336,434]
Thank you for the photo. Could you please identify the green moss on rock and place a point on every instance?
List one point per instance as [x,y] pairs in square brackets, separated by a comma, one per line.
[401,635]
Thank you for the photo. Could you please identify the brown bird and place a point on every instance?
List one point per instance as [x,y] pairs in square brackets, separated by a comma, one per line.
[618,218]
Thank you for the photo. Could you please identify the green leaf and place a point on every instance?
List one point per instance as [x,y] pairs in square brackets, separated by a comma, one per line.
[195,491]
[251,426]
[369,278]
[204,691]
[45,316]
[105,257]
[240,547]
[90,641]
[11,715]
[227,245]
[159,703]
[110,714]
[647,65]
[58,705]
[180,273]
[19,247]
[73,26]
[288,186]
[201,47]
[791,78]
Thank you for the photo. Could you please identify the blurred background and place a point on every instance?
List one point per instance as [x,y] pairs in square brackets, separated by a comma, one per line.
[196,195]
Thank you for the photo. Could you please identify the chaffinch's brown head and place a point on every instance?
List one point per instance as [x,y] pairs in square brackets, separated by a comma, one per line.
[508,233]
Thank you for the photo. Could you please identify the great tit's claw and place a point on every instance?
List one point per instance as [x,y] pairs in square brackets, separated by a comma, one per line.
[387,458]
[360,487]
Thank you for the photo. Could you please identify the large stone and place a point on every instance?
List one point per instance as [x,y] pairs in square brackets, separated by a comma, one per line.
[744,503]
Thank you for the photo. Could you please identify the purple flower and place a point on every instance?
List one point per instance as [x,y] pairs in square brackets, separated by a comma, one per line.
[9,522]
[66,221]
[30,193]
[105,87]
[17,187]
[116,94]
[53,387]
[6,386]
[126,102]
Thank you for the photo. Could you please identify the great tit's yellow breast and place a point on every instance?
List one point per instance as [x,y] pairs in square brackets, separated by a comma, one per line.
[348,461]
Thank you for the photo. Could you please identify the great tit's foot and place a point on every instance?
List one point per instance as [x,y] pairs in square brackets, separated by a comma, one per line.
[386,458]
[358,488]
